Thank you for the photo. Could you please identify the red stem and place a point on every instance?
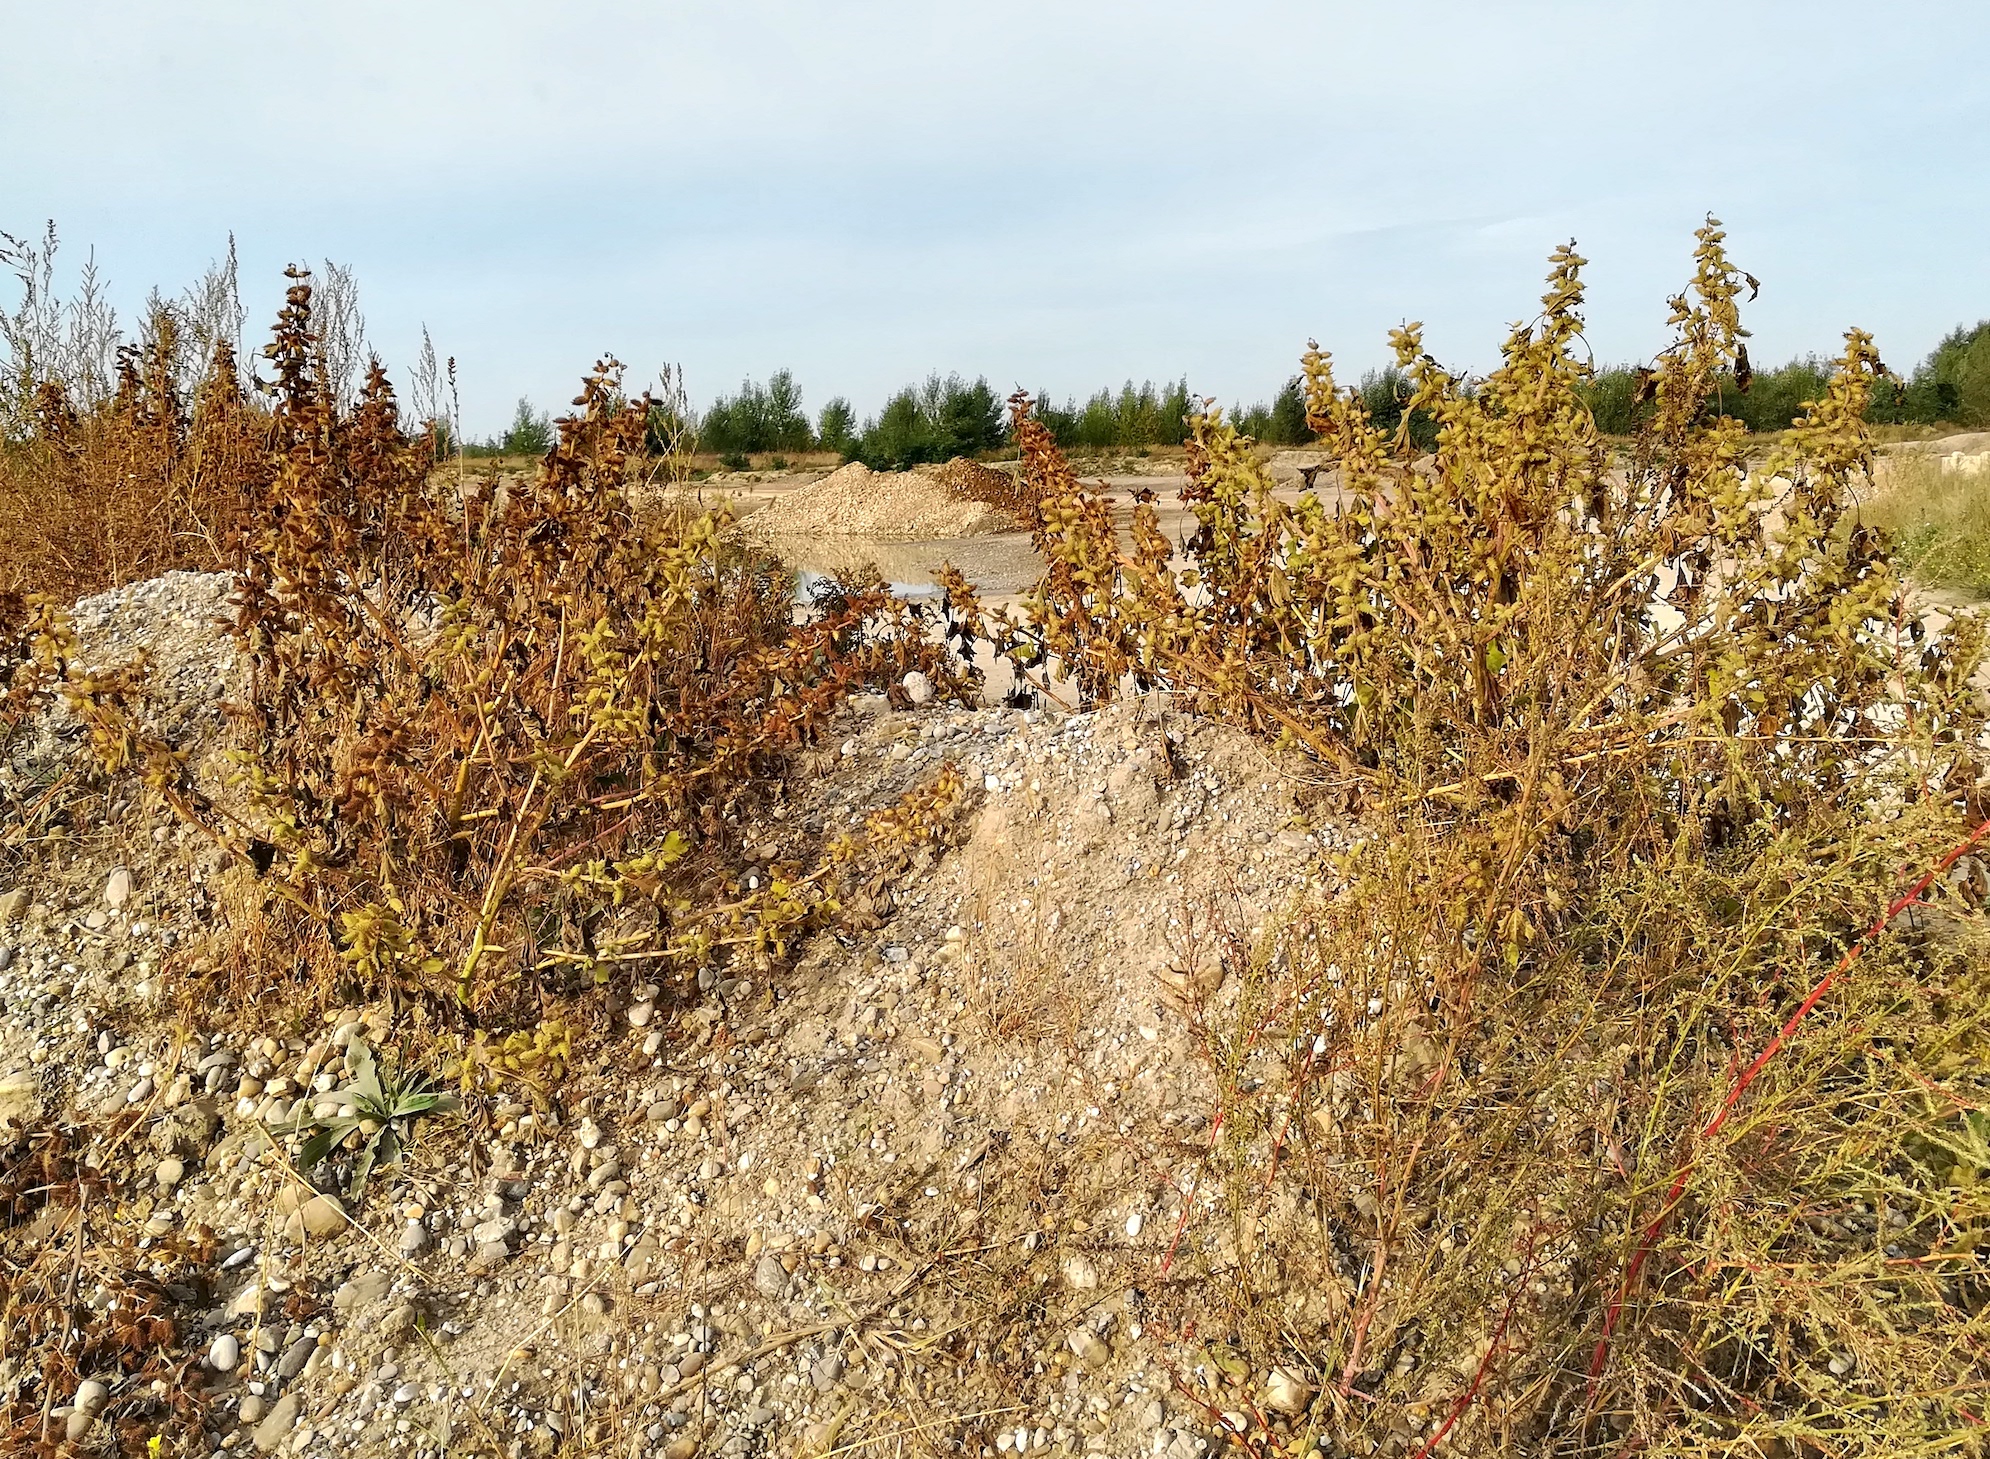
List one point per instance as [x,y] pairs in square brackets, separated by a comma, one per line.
[1649,1237]
[1485,1364]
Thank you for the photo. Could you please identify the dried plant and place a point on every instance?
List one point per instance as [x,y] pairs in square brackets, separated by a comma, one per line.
[1601,1150]
[499,742]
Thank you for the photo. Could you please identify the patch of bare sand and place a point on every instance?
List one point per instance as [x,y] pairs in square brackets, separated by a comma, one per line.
[891,506]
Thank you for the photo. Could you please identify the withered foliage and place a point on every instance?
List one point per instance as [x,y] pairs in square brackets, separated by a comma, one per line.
[1572,1110]
[1634,750]
[148,482]
[502,738]
[116,1315]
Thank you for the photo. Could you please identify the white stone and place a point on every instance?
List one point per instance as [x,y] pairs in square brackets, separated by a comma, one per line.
[1080,1274]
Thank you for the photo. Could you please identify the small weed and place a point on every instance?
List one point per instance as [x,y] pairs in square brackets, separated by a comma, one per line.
[383,1104]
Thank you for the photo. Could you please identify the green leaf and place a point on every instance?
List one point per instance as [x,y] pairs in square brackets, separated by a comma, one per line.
[366,1076]
[320,1145]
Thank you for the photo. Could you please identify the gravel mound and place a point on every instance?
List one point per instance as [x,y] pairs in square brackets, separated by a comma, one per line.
[901,506]
[179,621]
[746,1221]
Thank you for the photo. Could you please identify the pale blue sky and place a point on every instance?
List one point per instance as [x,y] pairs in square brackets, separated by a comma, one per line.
[1054,194]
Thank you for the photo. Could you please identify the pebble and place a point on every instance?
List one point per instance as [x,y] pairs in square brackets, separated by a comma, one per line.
[1287,1392]
[224,1353]
[278,1423]
[117,889]
[414,1239]
[1080,1274]
[322,1215]
[1090,1348]
[770,1278]
[169,1173]
[91,1396]
[295,1357]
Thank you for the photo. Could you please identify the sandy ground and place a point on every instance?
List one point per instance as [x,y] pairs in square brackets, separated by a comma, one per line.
[1001,565]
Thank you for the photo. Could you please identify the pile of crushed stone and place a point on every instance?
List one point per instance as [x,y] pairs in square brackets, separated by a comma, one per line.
[943,1172]
[971,481]
[179,621]
[903,506]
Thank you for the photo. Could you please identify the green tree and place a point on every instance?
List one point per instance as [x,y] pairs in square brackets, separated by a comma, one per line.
[1957,377]
[836,427]
[1610,395]
[944,417]
[787,423]
[529,435]
[1288,417]
[759,418]
[1127,420]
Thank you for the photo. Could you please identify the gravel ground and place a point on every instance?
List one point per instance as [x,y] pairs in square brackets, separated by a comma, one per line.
[933,1188]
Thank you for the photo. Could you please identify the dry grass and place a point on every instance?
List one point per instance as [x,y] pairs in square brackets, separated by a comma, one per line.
[1940,521]
[1635,756]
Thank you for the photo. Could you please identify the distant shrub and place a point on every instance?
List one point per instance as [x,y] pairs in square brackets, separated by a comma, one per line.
[759,418]
[529,434]
[943,418]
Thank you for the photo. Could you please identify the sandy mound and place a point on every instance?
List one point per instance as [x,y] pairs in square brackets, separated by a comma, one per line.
[742,1223]
[903,506]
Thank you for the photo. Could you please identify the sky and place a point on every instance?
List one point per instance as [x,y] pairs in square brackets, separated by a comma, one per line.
[1055,195]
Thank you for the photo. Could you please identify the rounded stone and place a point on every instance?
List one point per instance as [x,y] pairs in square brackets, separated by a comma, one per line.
[224,1353]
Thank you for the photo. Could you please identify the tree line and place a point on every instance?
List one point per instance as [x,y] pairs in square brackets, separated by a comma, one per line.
[945,416]
[1950,387]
